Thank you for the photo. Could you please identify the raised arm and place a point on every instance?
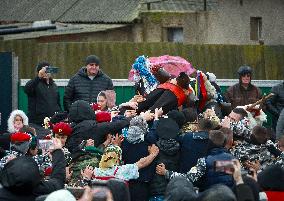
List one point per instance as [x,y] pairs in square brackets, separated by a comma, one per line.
[145,161]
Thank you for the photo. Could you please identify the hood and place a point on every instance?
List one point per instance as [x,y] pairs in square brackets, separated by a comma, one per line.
[13,114]
[81,110]
[83,72]
[119,190]
[180,189]
[169,146]
[271,178]
[18,181]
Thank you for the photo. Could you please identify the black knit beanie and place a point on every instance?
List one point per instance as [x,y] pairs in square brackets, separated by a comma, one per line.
[92,59]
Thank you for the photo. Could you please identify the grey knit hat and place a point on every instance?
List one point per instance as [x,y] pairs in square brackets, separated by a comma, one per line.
[137,129]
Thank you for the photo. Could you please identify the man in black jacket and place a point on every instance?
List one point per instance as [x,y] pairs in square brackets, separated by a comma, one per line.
[21,179]
[87,83]
[43,98]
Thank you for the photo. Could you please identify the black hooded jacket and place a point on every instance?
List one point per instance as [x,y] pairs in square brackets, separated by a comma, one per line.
[180,189]
[169,154]
[81,87]
[85,126]
[43,99]
[21,179]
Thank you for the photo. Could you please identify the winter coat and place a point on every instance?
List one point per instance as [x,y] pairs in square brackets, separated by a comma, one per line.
[81,87]
[280,125]
[180,189]
[169,154]
[193,146]
[237,95]
[85,126]
[212,177]
[20,186]
[43,99]
[11,120]
[276,103]
[131,153]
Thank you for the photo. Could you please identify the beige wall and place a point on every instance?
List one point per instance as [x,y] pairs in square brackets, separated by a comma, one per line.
[229,24]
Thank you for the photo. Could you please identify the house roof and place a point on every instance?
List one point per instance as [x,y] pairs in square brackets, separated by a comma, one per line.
[80,11]
[90,11]
[181,5]
[61,30]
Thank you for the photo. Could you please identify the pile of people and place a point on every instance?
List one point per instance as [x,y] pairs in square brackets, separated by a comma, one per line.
[178,142]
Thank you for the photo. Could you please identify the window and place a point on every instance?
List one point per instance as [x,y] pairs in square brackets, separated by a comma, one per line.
[255,28]
[175,34]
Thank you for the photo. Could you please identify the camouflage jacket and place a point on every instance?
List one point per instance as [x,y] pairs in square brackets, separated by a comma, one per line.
[246,151]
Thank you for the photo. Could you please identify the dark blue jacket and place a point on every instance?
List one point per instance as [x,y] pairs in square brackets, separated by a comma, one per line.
[193,146]
[131,153]
[212,177]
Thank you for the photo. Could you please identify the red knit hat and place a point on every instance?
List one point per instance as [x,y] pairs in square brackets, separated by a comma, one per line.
[62,128]
[103,117]
[20,137]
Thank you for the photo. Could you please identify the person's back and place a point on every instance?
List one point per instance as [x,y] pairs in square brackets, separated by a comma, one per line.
[203,174]
[193,147]
[85,126]
[217,193]
[87,83]
[212,177]
[21,179]
[275,104]
[243,93]
[169,155]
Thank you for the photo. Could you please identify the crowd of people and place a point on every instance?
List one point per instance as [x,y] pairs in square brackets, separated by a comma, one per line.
[182,141]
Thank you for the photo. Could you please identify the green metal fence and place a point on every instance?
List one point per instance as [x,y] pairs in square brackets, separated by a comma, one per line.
[125,90]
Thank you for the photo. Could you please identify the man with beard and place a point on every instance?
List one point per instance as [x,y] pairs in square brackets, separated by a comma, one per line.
[43,98]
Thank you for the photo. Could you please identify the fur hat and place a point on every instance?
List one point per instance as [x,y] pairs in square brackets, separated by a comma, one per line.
[178,117]
[167,128]
[92,59]
[103,116]
[137,129]
[62,128]
[41,64]
[11,119]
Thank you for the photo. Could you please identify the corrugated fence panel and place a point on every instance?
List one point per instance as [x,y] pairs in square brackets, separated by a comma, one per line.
[117,57]
[274,62]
